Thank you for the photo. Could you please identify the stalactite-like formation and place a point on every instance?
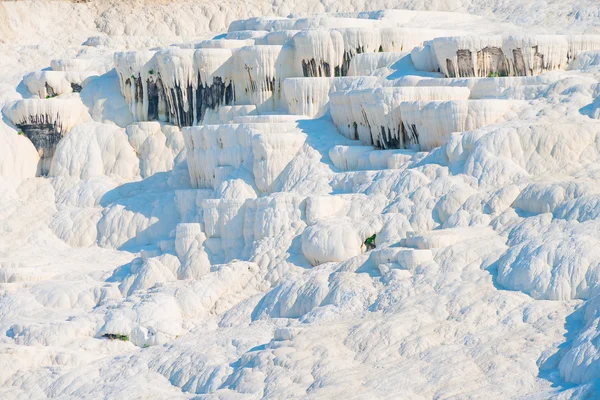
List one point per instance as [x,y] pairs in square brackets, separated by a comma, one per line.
[375,116]
[493,56]
[44,122]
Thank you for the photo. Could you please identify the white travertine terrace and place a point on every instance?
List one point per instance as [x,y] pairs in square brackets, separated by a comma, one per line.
[215,151]
[176,85]
[360,204]
[129,66]
[318,52]
[374,116]
[310,96]
[258,73]
[430,123]
[482,56]
[328,52]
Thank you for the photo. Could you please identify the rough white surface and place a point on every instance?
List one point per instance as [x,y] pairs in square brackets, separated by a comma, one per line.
[330,241]
[236,257]
[157,146]
[95,150]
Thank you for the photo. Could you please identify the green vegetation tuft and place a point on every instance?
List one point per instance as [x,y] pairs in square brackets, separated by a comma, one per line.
[493,75]
[116,336]
[370,242]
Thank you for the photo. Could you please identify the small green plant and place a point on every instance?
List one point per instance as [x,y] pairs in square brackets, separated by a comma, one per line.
[20,133]
[370,242]
[493,75]
[116,336]
[151,72]
[146,345]
[51,96]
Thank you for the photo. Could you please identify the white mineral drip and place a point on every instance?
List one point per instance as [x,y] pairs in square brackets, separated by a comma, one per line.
[178,75]
[258,73]
[215,87]
[430,123]
[213,63]
[310,96]
[318,53]
[45,122]
[360,40]
[216,149]
[384,116]
[354,82]
[307,96]
[373,116]
[129,66]
[177,85]
[63,113]
[498,55]
[348,158]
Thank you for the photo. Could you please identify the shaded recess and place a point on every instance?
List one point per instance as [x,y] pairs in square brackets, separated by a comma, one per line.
[45,134]
[212,96]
